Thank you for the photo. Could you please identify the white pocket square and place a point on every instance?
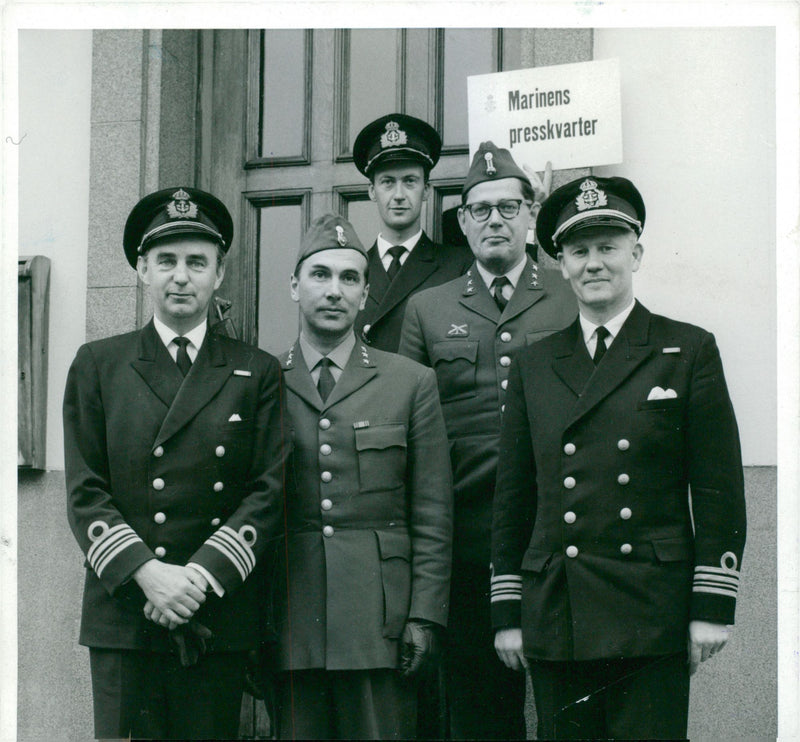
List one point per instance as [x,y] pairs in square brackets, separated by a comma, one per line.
[234,418]
[658,393]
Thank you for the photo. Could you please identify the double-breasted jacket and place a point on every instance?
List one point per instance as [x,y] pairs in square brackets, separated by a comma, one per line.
[619,513]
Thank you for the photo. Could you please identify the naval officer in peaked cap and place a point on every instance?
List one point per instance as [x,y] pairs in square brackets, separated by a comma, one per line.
[369,513]
[397,153]
[468,330]
[174,459]
[609,582]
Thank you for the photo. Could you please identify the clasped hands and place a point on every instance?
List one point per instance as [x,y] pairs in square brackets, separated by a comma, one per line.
[174,593]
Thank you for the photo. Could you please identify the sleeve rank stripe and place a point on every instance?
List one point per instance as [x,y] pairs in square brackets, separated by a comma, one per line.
[227,541]
[110,545]
[717,571]
[719,579]
[714,590]
[506,587]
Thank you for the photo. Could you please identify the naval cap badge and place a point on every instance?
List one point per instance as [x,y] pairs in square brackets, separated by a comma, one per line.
[181,207]
[591,196]
[394,136]
[340,237]
[490,168]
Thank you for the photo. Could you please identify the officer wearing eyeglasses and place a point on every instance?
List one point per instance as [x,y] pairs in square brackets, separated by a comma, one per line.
[467,330]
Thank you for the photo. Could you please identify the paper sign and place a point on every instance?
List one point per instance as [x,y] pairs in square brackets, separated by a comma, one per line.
[568,114]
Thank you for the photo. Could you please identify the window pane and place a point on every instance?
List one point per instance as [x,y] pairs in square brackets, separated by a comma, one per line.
[373,77]
[363,215]
[283,112]
[280,230]
[466,52]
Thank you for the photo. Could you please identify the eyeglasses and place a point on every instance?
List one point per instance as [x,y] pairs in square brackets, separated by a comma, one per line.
[508,209]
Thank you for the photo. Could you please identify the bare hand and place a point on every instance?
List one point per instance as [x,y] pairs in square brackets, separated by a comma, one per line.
[508,645]
[705,640]
[169,589]
[541,186]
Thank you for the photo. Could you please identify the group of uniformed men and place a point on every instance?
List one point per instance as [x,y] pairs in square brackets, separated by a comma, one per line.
[350,497]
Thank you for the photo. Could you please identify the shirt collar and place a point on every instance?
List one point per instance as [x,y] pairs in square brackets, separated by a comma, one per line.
[167,335]
[339,355]
[409,244]
[512,275]
[614,325]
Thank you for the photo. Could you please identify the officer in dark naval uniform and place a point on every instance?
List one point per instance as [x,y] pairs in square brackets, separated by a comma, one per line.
[369,513]
[467,330]
[174,458]
[397,152]
[610,582]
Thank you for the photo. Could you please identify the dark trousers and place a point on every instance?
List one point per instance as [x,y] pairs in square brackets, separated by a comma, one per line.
[150,695]
[486,700]
[636,698]
[346,704]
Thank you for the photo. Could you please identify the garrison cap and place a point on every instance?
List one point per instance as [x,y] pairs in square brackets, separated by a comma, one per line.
[588,202]
[329,232]
[176,211]
[492,163]
[393,138]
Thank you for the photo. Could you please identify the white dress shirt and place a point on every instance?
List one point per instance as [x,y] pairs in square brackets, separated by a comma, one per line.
[338,356]
[614,325]
[512,276]
[384,245]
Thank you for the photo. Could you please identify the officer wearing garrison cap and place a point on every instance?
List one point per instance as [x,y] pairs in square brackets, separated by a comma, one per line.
[610,583]
[174,461]
[467,330]
[369,513]
[397,152]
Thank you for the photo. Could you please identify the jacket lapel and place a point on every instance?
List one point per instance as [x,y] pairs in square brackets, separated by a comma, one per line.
[206,377]
[416,269]
[378,280]
[628,351]
[527,292]
[359,370]
[476,297]
[156,367]
[298,378]
[572,363]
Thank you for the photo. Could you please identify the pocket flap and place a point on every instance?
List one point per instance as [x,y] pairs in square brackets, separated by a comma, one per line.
[381,436]
[671,403]
[394,544]
[672,549]
[535,560]
[450,350]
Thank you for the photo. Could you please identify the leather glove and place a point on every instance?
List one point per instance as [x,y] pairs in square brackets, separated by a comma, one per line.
[190,640]
[420,647]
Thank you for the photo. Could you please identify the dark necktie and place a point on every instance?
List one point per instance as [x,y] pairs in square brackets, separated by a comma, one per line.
[600,348]
[182,359]
[326,382]
[396,252]
[497,285]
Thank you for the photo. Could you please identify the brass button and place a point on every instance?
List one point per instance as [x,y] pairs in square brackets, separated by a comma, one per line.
[324,423]
[367,328]
[327,531]
[158,483]
[623,444]
[505,361]
[572,551]
[569,482]
[218,486]
[326,504]
[326,476]
[159,517]
[505,337]
[220,451]
[160,551]
[569,449]
[626,548]
[625,513]
[325,449]
[623,479]
[504,384]
[569,517]
[158,451]
[215,521]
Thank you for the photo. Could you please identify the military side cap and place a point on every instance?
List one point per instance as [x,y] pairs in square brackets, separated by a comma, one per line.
[176,211]
[394,138]
[329,232]
[492,163]
[588,202]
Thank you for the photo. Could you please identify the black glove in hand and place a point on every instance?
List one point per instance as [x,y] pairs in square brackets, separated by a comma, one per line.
[190,641]
[419,647]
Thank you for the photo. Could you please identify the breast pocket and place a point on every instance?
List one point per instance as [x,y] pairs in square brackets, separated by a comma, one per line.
[381,457]
[455,364]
